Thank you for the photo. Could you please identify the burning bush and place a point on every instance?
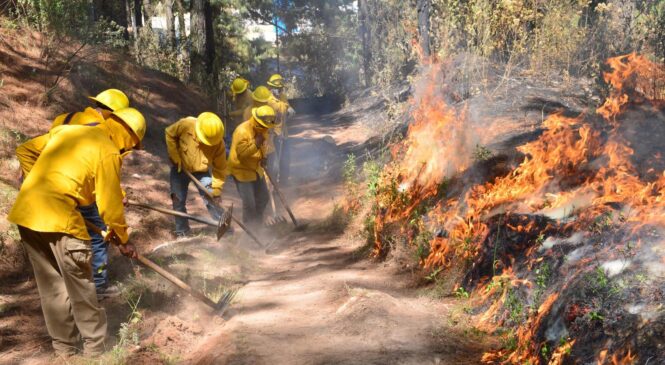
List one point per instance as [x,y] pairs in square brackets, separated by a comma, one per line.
[582,206]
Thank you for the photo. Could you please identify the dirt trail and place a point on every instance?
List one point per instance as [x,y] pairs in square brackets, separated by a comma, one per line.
[315,299]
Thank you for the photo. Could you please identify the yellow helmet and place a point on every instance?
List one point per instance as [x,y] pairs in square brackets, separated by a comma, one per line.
[209,128]
[276,81]
[113,99]
[264,115]
[134,120]
[239,86]
[262,94]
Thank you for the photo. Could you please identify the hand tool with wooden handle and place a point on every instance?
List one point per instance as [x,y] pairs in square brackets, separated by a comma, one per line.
[222,225]
[219,307]
[283,199]
[212,201]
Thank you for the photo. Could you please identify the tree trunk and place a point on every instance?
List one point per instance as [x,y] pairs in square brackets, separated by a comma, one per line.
[170,23]
[198,41]
[210,17]
[182,32]
[138,17]
[148,12]
[131,21]
[366,37]
[424,10]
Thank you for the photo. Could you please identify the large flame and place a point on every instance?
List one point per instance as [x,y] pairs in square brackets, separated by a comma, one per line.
[576,168]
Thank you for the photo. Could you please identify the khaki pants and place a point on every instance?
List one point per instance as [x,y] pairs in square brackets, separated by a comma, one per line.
[63,272]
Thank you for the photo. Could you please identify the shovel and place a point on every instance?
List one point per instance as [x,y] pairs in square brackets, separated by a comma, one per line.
[212,201]
[222,225]
[218,307]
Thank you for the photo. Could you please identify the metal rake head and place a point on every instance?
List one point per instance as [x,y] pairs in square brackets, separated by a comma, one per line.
[225,301]
[275,221]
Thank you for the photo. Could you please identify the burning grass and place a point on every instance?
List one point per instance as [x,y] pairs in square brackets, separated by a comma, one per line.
[578,207]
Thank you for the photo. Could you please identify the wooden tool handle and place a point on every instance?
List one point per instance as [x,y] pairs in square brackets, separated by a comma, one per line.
[181,284]
[212,200]
[281,197]
[167,275]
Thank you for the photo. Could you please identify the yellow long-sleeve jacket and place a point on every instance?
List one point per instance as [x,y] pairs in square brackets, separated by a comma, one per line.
[245,156]
[281,107]
[281,111]
[87,116]
[240,102]
[184,148]
[77,166]
[247,114]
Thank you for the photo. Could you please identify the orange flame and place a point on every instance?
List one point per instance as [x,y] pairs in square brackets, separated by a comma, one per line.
[616,359]
[572,161]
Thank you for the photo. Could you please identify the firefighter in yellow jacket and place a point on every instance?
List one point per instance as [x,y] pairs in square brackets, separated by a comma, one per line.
[105,103]
[280,158]
[77,166]
[196,145]
[242,98]
[246,160]
[260,97]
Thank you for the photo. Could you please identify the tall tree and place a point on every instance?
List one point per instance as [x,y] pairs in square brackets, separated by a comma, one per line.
[424,8]
[210,16]
[181,20]
[170,23]
[131,19]
[148,12]
[366,37]
[138,16]
[198,41]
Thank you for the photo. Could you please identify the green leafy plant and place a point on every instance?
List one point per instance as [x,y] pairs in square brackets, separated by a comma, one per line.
[461,293]
[595,316]
[515,307]
[482,153]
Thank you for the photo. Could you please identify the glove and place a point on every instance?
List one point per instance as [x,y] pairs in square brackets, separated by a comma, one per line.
[129,250]
[216,192]
[291,112]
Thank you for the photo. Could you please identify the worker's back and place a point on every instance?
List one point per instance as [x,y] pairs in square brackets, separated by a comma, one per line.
[76,161]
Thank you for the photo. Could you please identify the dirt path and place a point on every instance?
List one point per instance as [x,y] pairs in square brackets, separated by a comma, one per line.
[315,299]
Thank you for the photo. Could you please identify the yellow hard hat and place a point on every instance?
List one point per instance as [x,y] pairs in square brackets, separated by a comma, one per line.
[239,86]
[113,99]
[276,80]
[209,128]
[262,94]
[134,120]
[264,115]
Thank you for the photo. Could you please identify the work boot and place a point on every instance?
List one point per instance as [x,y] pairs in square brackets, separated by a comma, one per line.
[108,292]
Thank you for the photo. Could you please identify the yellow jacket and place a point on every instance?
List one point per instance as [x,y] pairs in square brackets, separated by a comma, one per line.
[78,166]
[281,107]
[183,147]
[240,102]
[247,114]
[87,116]
[245,157]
